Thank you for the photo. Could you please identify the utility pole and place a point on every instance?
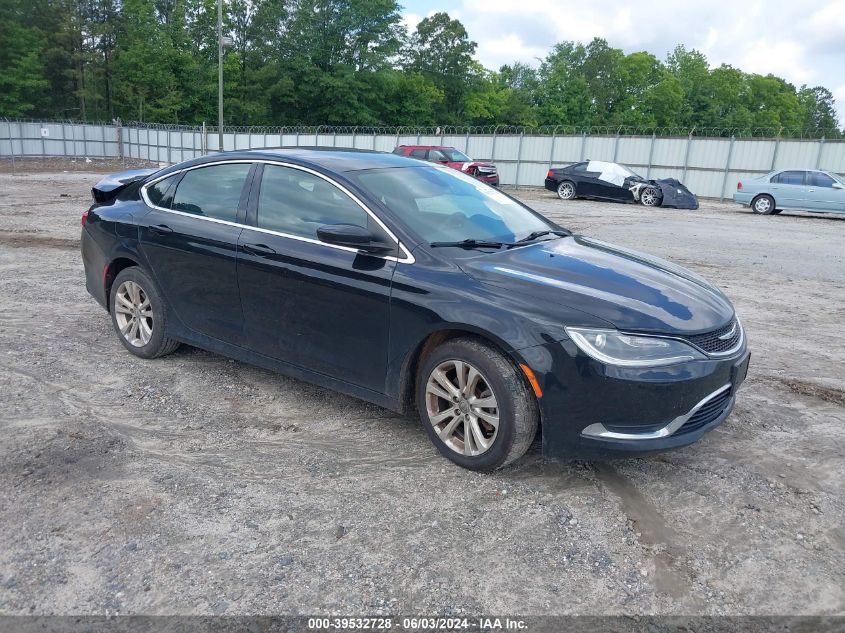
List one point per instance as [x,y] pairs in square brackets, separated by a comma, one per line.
[220,75]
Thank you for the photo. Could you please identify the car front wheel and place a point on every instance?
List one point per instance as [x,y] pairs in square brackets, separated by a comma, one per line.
[649,197]
[476,407]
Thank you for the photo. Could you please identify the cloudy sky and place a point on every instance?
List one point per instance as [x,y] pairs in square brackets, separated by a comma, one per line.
[800,41]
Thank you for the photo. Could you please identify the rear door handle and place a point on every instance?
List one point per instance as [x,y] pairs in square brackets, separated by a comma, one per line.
[262,250]
[161,229]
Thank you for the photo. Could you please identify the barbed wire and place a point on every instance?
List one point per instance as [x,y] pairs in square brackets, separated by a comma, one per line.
[454,130]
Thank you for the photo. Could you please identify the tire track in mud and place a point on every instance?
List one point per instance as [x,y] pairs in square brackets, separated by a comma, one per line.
[654,531]
[27,240]
[149,433]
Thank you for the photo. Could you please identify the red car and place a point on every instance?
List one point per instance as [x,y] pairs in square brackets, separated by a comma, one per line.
[485,172]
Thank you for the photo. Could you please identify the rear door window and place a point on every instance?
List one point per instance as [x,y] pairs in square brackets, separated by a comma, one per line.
[419,153]
[212,192]
[789,178]
[159,193]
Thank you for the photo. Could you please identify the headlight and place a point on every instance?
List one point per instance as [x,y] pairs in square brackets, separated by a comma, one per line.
[614,348]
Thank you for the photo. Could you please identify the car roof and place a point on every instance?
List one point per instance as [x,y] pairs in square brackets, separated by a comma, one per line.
[427,146]
[329,158]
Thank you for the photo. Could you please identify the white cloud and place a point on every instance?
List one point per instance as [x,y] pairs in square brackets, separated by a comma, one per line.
[782,37]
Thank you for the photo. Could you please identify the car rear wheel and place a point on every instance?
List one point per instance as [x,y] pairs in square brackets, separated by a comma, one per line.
[138,314]
[566,190]
[649,197]
[476,407]
[763,205]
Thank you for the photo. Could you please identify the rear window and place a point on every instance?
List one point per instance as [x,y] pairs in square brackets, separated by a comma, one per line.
[789,178]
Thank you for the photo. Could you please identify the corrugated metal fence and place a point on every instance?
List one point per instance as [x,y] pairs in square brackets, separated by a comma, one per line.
[709,166]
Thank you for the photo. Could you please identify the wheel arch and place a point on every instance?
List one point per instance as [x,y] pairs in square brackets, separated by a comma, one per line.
[413,361]
[762,194]
[113,269]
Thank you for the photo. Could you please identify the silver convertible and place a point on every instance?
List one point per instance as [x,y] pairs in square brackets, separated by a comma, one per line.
[805,189]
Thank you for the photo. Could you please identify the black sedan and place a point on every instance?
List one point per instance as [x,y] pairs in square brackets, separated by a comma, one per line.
[418,288]
[611,181]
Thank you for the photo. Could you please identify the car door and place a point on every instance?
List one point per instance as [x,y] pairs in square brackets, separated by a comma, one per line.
[587,182]
[190,239]
[788,189]
[321,307]
[823,194]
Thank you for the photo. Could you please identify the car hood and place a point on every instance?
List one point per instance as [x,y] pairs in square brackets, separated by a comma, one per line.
[629,289]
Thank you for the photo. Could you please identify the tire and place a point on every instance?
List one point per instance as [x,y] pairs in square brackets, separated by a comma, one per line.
[650,197]
[566,190]
[135,299]
[763,205]
[498,383]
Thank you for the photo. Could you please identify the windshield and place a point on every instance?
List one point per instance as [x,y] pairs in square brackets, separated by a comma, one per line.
[445,205]
[455,156]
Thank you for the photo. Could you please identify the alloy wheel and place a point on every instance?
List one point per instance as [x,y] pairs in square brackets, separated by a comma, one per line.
[566,191]
[133,313]
[649,197]
[462,407]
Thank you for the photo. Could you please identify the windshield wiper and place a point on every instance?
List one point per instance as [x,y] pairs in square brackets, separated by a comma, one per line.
[470,243]
[537,234]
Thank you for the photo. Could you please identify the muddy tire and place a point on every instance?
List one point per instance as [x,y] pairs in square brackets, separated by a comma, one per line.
[138,312]
[476,405]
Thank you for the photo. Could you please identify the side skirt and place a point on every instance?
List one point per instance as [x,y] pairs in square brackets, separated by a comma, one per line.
[185,335]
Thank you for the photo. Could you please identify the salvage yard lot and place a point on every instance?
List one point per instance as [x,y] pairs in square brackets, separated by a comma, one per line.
[195,484]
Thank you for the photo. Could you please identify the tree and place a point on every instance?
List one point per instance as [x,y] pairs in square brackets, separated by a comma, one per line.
[817,111]
[441,50]
[23,84]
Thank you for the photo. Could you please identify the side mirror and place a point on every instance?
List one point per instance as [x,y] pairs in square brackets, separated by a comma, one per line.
[352,236]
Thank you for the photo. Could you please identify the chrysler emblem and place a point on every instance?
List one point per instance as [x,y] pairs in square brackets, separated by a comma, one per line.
[728,335]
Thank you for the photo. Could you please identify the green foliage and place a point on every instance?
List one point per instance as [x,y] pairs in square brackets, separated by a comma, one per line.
[351,62]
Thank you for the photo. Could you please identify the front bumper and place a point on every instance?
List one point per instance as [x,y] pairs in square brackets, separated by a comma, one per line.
[490,179]
[591,410]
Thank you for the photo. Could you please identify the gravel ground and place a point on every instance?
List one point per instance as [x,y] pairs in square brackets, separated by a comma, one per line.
[194,484]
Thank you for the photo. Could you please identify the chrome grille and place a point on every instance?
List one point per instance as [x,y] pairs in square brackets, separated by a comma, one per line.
[714,343]
[711,410]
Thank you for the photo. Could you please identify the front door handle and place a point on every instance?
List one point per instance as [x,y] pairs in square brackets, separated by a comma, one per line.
[161,229]
[262,250]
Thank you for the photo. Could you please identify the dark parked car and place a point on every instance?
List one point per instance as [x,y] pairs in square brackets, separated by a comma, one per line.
[418,288]
[451,157]
[612,181]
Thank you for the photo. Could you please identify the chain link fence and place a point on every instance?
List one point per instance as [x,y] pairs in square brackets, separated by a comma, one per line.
[708,160]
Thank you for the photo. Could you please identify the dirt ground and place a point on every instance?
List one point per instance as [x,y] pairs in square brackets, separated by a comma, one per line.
[193,484]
